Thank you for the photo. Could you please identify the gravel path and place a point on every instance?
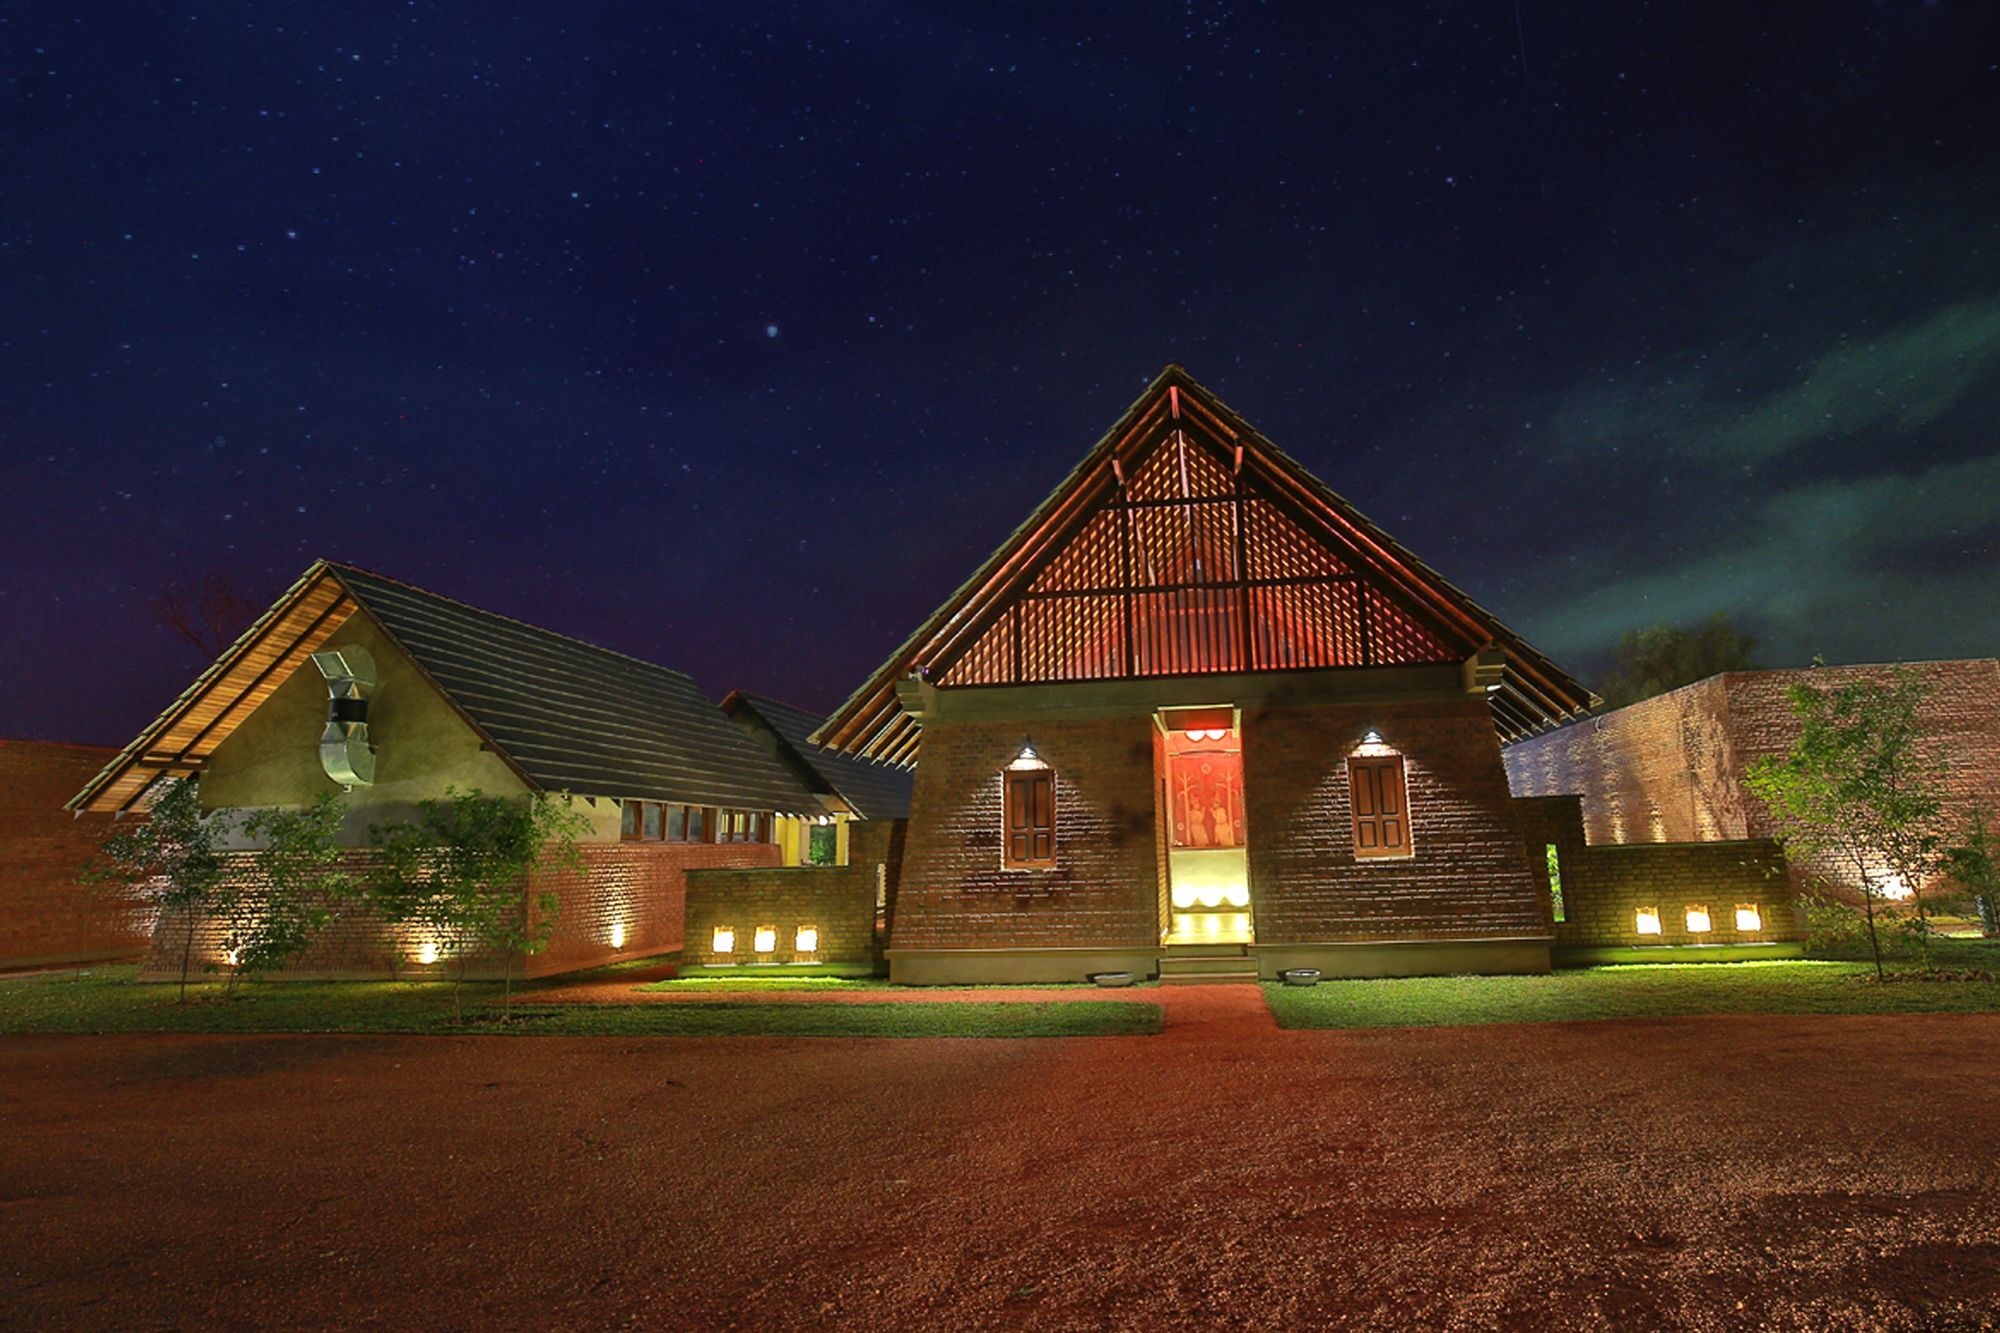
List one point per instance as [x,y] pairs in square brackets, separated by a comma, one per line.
[1705,1172]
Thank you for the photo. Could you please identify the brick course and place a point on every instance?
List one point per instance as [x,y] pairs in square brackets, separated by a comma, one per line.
[1671,768]
[1468,876]
[1605,885]
[46,915]
[838,900]
[640,886]
[1104,889]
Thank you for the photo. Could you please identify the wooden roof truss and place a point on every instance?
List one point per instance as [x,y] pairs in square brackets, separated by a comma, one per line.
[1187,544]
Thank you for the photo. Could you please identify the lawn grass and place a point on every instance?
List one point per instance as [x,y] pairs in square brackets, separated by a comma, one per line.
[789,977]
[833,978]
[1648,990]
[110,1000]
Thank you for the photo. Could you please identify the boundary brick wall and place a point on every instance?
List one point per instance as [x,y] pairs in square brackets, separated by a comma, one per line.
[1604,885]
[839,901]
[1103,891]
[1671,768]
[46,915]
[1468,877]
[638,886]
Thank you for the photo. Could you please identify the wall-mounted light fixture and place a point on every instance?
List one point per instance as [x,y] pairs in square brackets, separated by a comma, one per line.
[1025,757]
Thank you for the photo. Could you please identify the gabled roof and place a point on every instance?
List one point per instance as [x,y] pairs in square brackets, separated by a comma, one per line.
[1531,694]
[565,715]
[872,790]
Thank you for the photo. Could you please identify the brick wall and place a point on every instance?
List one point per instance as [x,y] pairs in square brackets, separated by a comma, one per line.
[839,901]
[1671,768]
[1604,886]
[1468,877]
[1104,890]
[638,887]
[46,916]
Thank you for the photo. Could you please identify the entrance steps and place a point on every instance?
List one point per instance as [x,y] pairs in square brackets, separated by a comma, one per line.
[1206,964]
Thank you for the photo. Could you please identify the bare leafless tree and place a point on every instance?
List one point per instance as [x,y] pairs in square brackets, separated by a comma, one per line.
[209,610]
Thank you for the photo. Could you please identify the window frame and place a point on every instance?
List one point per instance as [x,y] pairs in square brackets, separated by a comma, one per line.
[1379,820]
[1037,840]
[1558,909]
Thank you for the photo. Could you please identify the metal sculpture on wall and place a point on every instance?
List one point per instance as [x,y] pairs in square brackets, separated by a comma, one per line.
[344,750]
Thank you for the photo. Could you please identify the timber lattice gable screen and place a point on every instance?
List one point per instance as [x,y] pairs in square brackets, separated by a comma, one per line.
[1190,566]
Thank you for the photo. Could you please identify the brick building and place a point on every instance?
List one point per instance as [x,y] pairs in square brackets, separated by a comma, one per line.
[46,915]
[391,695]
[1199,716]
[1670,769]
[850,789]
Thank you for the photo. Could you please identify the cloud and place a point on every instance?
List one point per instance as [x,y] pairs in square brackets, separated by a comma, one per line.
[1834,567]
[1907,378]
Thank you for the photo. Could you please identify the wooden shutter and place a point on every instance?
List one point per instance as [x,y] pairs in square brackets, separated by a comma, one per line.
[1030,818]
[1381,810]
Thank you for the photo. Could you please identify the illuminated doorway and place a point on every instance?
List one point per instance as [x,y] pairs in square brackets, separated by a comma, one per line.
[1201,800]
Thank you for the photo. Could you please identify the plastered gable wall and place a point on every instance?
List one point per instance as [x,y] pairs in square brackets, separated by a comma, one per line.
[422,745]
[1468,876]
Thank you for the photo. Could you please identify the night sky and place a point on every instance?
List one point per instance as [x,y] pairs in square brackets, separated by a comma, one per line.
[734,336]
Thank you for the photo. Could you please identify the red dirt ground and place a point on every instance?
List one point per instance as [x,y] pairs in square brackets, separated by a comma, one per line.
[1707,1172]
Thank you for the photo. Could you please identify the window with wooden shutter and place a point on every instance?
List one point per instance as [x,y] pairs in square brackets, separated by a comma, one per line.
[1030,818]
[1381,807]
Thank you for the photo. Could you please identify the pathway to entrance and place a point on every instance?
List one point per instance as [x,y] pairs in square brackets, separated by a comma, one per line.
[1192,1012]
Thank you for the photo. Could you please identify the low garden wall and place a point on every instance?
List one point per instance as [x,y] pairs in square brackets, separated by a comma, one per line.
[847,910]
[1606,887]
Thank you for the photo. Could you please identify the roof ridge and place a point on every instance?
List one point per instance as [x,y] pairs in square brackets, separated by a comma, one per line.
[342,567]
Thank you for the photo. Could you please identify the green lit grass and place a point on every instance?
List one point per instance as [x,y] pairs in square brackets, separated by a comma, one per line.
[1656,990]
[789,977]
[109,1000]
[752,980]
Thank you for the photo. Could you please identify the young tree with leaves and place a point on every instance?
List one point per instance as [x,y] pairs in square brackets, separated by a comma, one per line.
[1858,787]
[171,859]
[1974,861]
[297,879]
[466,870]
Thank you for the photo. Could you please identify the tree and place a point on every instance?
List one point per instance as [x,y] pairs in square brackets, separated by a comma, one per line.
[464,870]
[209,611]
[1857,788]
[299,879]
[1975,863]
[170,858]
[1665,657]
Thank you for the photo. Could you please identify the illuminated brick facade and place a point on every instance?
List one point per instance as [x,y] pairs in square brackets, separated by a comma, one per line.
[1605,886]
[1671,768]
[839,904]
[1466,877]
[625,902]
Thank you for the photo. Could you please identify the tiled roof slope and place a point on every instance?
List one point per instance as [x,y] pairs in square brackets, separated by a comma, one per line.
[875,791]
